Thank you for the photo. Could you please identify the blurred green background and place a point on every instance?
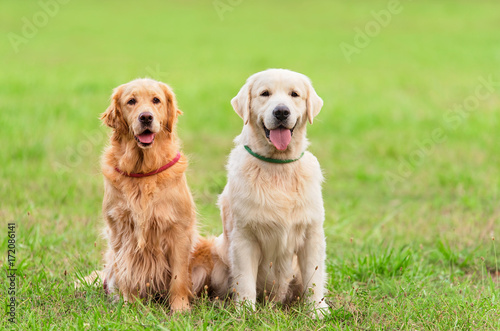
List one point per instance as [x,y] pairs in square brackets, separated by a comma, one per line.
[388,185]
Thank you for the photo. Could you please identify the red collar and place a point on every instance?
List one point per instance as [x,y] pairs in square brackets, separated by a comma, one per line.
[157,171]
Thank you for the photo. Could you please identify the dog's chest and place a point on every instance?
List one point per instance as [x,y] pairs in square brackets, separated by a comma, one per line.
[286,195]
[141,203]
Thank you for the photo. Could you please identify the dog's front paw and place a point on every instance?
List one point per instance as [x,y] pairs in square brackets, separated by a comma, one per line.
[180,305]
[321,310]
[246,305]
[129,297]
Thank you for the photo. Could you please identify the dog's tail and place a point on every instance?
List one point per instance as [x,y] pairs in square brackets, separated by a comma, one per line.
[208,271]
[202,264]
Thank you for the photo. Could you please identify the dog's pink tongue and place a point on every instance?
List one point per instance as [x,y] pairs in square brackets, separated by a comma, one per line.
[280,138]
[146,138]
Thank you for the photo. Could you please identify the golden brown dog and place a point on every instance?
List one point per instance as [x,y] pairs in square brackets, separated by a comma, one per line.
[148,208]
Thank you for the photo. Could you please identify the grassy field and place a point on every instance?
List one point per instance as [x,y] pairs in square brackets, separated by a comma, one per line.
[408,140]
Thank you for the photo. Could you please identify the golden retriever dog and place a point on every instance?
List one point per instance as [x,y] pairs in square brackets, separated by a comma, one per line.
[148,208]
[273,243]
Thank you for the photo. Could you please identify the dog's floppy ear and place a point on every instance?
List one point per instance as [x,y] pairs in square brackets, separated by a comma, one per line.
[314,102]
[172,110]
[241,102]
[113,116]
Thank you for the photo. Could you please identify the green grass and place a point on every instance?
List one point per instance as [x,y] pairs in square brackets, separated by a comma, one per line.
[418,254]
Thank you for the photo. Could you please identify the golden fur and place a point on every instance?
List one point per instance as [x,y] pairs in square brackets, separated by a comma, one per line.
[150,221]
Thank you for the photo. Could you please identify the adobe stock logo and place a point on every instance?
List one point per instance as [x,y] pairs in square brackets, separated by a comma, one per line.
[76,155]
[363,37]
[452,120]
[48,9]
[224,6]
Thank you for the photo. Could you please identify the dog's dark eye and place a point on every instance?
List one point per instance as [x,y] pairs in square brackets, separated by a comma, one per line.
[294,94]
[265,93]
[156,100]
[131,102]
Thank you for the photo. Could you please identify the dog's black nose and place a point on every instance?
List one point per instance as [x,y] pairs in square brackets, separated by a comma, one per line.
[146,118]
[281,112]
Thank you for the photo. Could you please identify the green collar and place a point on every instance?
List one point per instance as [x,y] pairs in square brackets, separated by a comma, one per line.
[267,159]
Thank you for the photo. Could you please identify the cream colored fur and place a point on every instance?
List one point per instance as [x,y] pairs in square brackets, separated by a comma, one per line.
[273,242]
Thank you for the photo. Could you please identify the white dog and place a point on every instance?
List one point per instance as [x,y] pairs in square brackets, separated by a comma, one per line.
[272,206]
